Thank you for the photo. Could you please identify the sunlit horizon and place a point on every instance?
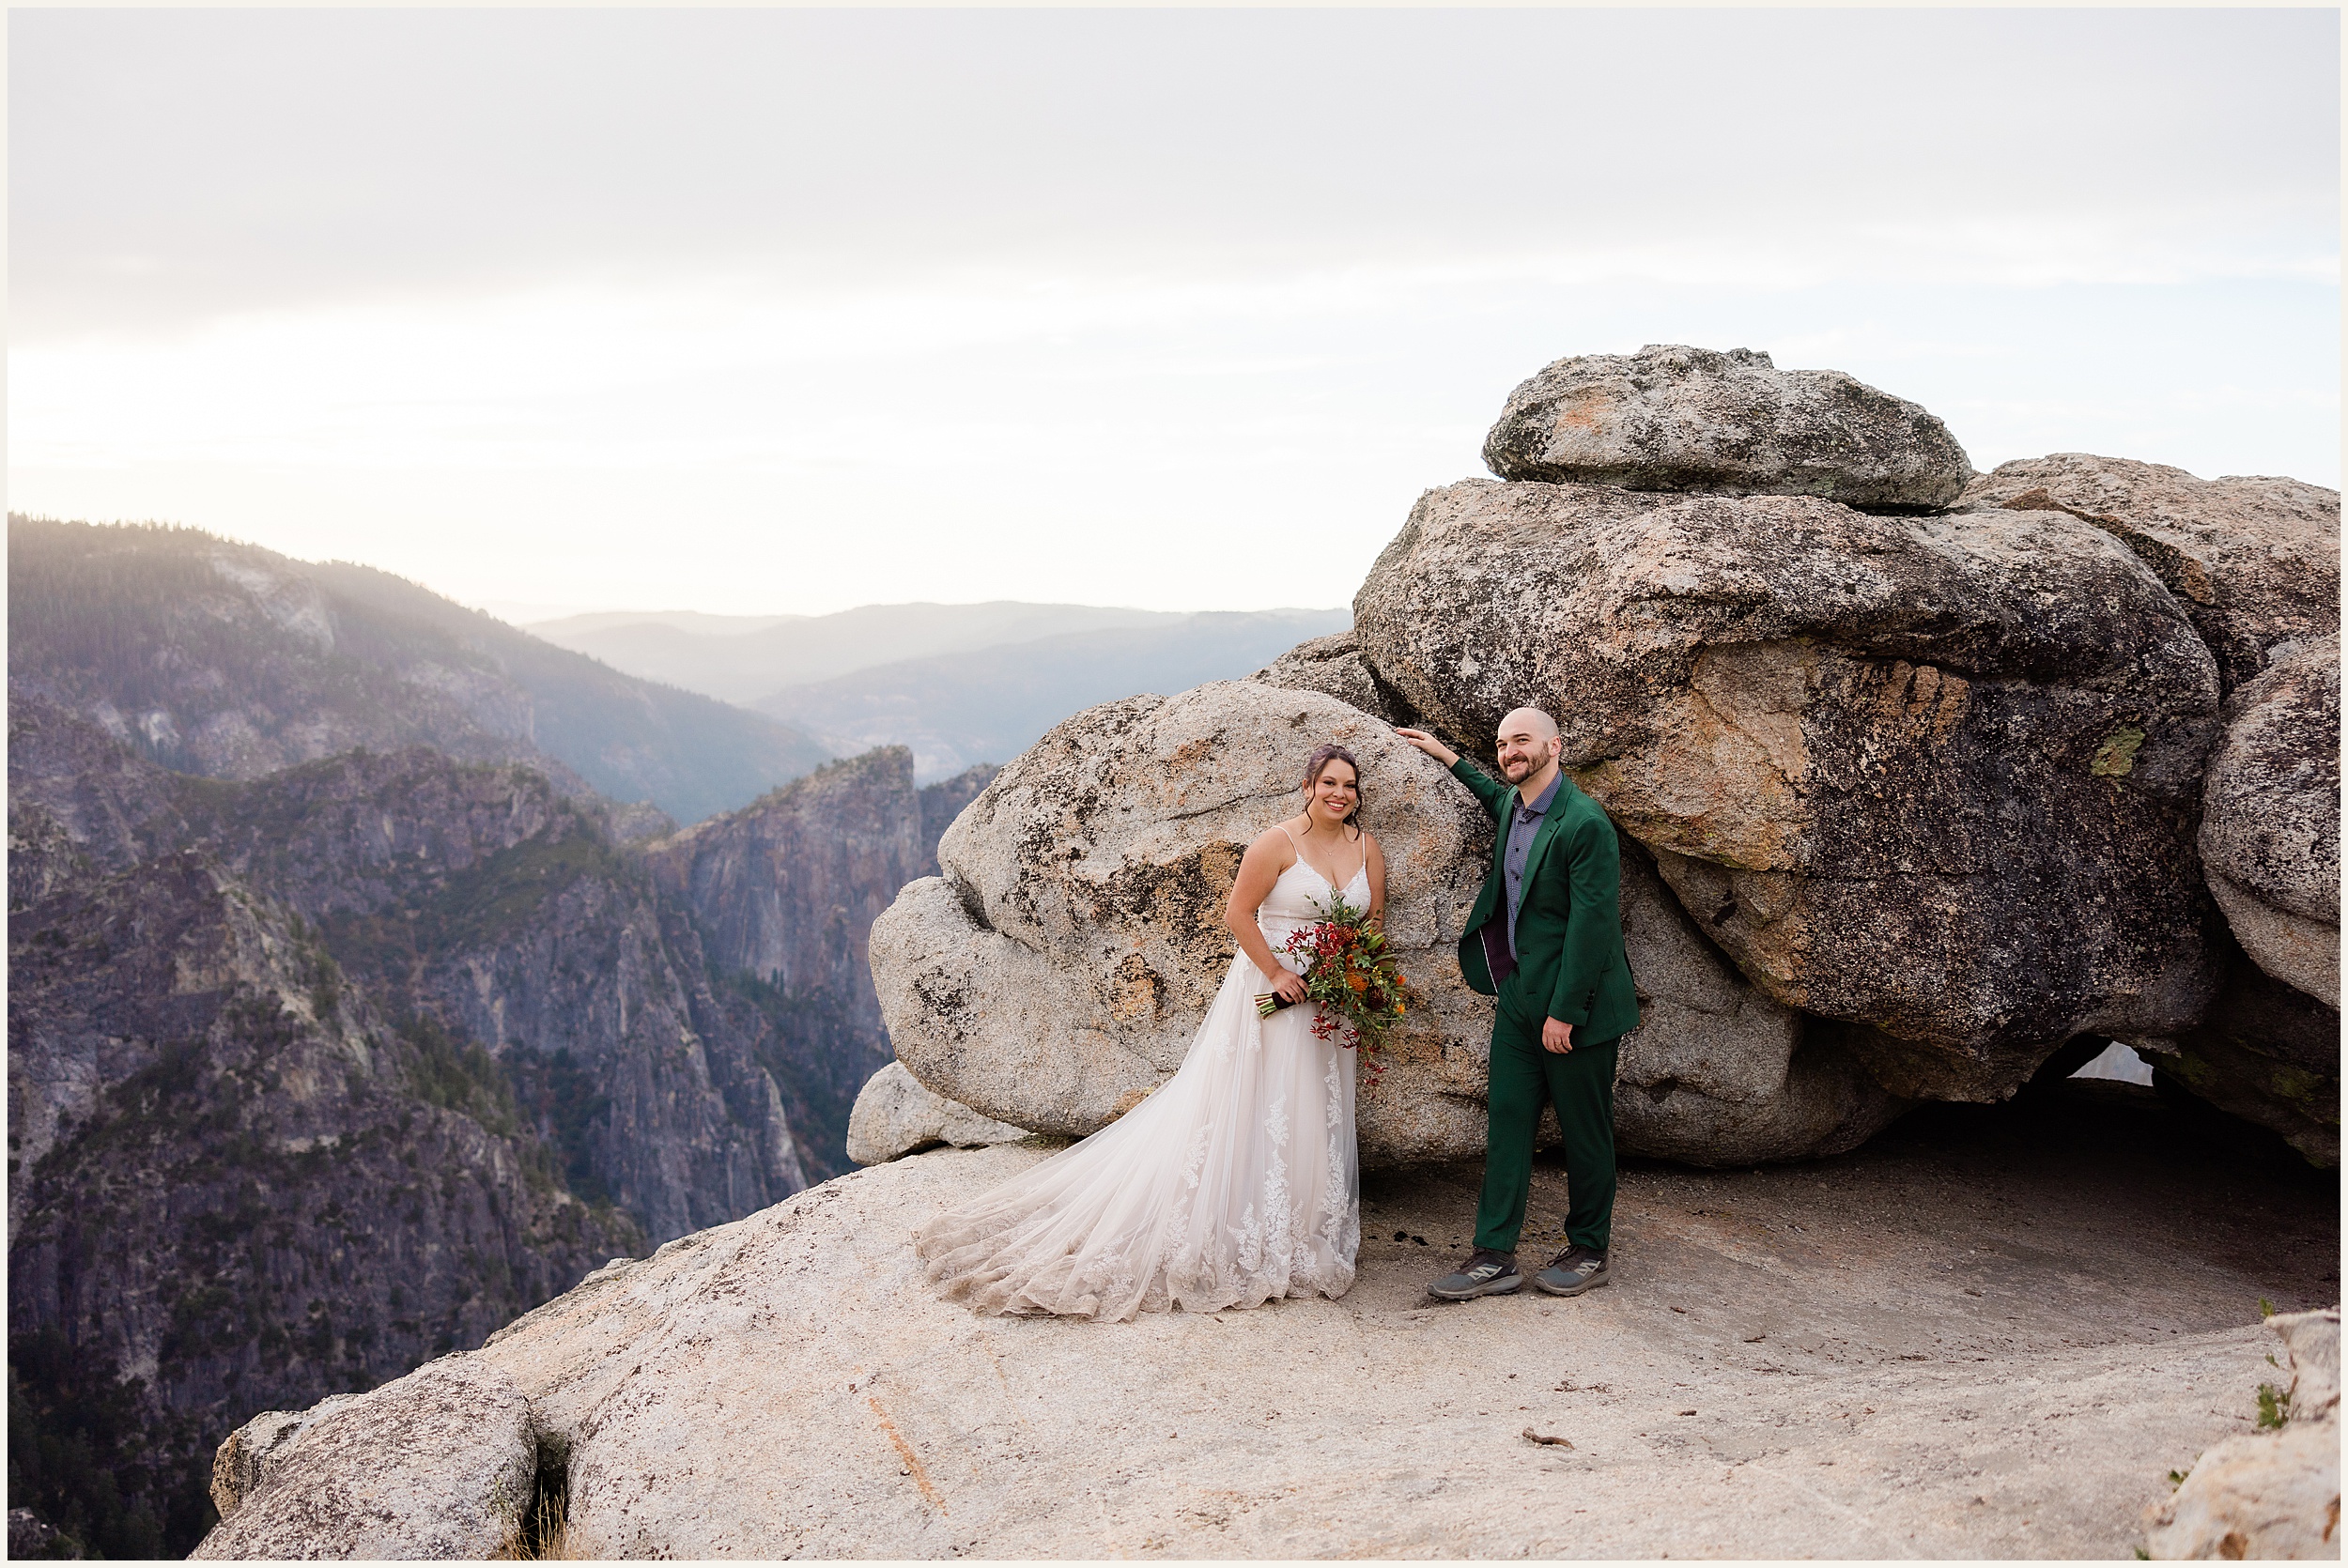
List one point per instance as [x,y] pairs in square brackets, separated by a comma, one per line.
[759,313]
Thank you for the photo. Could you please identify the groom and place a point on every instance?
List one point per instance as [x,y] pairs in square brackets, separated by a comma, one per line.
[1545,939]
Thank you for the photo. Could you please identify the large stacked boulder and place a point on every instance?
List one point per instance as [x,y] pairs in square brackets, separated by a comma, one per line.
[1674,418]
[1918,758]
[1056,973]
[1929,776]
[2253,561]
[2270,823]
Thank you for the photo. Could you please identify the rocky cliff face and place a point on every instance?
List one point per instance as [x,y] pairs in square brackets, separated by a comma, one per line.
[783,893]
[235,1180]
[367,1056]
[1929,776]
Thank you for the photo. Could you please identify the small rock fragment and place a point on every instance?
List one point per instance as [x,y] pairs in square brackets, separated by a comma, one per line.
[895,1114]
[2268,1494]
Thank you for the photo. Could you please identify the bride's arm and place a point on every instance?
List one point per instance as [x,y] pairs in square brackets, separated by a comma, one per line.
[1376,858]
[1258,868]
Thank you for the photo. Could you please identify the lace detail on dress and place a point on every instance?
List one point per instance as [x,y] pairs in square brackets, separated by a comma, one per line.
[1199,1198]
[1332,1214]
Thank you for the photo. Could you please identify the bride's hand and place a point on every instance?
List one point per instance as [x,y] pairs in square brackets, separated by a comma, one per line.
[1288,985]
[1430,745]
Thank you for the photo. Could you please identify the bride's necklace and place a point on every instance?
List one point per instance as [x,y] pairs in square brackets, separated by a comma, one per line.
[1313,834]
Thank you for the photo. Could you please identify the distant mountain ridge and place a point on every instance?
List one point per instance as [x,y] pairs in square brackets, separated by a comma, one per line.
[744,658]
[959,684]
[227,660]
[348,1018]
[990,705]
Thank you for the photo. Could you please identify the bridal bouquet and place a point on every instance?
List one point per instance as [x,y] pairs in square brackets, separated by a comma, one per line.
[1352,973]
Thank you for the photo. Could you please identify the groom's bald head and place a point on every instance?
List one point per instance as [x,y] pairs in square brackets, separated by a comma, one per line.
[1530,723]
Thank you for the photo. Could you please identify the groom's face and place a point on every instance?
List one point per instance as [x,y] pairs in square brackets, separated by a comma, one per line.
[1524,746]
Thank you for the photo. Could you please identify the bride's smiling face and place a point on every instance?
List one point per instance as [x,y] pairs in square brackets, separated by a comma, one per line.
[1332,796]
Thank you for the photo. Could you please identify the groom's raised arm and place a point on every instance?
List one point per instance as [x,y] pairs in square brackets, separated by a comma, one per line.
[1489,790]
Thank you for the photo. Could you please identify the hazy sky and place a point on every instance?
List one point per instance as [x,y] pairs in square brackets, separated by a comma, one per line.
[761,311]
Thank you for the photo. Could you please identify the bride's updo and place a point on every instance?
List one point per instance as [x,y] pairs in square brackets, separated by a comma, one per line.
[1326,753]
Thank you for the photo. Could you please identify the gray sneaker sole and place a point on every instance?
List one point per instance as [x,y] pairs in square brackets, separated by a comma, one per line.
[1591,1283]
[1489,1287]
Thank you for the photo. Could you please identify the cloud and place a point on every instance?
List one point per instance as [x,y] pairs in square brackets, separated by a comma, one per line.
[171,166]
[769,309]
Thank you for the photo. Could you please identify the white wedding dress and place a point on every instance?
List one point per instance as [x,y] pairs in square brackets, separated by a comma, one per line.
[1234,1183]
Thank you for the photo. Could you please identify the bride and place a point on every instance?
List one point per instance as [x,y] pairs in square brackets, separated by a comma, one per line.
[1235,1181]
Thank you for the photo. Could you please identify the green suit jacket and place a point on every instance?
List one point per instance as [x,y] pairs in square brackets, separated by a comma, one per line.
[1569,957]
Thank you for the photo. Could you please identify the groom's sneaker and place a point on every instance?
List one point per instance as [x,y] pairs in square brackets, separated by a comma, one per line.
[1572,1271]
[1486,1274]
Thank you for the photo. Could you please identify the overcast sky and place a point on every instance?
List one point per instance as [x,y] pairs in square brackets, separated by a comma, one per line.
[772,311]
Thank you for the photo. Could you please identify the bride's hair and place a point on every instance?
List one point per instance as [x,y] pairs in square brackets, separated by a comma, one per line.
[1326,753]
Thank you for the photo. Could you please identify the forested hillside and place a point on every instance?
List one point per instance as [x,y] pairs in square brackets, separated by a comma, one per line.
[213,657]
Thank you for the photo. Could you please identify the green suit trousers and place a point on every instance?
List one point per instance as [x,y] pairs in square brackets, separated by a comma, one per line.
[1581,1084]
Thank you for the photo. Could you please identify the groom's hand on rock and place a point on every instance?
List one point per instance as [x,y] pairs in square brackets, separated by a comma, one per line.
[1430,745]
[1556,1037]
